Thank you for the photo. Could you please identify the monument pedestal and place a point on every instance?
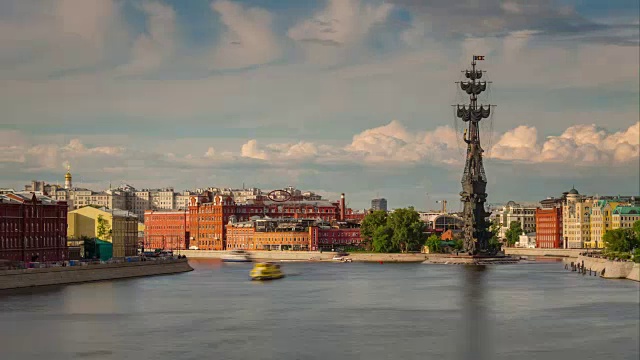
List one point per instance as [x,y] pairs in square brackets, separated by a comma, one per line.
[471,259]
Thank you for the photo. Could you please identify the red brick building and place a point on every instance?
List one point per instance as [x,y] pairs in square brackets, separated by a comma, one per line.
[33,227]
[549,228]
[210,214]
[166,230]
[303,234]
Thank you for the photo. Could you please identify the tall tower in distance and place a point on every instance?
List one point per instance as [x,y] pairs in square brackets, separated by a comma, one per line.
[67,178]
[474,179]
[379,204]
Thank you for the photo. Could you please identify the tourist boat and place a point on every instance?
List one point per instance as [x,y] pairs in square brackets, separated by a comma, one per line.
[237,256]
[341,257]
[266,271]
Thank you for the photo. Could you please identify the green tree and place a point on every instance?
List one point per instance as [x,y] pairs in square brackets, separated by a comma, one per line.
[433,243]
[371,223]
[620,240]
[104,230]
[513,233]
[636,229]
[382,239]
[407,229]
[458,245]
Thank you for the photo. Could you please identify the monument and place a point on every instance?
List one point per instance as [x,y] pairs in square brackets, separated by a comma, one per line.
[474,179]
[475,230]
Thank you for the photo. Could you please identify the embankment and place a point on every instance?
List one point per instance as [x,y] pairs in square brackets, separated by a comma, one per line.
[13,279]
[572,253]
[612,269]
[310,255]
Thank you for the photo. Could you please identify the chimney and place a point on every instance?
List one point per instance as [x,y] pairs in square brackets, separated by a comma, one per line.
[342,210]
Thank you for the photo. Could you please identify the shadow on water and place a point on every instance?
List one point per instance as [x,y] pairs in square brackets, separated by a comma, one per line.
[474,320]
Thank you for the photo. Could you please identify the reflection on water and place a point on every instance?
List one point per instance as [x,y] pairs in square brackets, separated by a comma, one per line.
[330,311]
[474,313]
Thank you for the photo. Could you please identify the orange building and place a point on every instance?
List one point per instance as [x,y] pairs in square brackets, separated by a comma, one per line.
[549,228]
[167,230]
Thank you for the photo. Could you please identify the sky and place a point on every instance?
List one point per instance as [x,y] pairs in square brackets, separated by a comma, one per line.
[332,96]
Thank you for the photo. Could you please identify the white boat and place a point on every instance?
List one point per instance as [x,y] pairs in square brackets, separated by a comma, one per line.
[237,256]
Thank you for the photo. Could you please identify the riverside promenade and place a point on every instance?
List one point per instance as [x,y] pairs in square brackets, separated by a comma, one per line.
[608,269]
[23,278]
[570,253]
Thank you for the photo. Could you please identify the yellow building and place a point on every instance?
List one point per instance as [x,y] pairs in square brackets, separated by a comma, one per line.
[121,228]
[601,221]
[623,217]
[576,219]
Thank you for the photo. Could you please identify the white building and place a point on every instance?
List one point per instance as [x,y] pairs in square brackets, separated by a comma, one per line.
[576,214]
[524,214]
[527,241]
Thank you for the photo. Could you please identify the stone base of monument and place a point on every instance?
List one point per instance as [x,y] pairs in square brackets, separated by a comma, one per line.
[470,259]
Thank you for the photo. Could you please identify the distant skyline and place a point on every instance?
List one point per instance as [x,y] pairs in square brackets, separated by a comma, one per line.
[330,96]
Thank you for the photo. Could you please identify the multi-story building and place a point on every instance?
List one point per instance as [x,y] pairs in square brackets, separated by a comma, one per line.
[623,217]
[524,214]
[379,204]
[167,230]
[120,228]
[549,227]
[210,213]
[291,234]
[576,216]
[33,227]
[600,221]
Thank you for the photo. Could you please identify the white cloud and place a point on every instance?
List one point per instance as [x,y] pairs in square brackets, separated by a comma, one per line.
[251,150]
[249,38]
[578,145]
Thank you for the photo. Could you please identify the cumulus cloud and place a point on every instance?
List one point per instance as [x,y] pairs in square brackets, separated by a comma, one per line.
[579,145]
[249,38]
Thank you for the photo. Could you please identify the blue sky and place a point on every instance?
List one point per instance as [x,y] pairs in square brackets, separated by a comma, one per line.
[334,96]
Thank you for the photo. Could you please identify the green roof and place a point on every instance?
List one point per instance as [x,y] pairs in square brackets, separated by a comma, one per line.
[627,210]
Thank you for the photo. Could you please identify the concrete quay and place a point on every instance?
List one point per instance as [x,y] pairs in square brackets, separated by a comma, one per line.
[23,278]
[311,256]
[449,259]
[612,269]
[571,253]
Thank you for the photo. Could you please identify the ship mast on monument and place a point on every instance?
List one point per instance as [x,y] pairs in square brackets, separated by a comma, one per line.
[474,178]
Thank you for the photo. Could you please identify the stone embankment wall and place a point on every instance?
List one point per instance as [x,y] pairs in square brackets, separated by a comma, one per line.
[612,269]
[309,255]
[13,279]
[574,253]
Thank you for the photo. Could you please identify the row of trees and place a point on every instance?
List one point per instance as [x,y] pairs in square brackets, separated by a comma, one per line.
[400,231]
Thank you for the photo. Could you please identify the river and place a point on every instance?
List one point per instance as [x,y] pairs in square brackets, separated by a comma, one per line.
[330,311]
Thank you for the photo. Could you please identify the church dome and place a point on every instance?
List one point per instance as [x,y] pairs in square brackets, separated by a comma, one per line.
[573,191]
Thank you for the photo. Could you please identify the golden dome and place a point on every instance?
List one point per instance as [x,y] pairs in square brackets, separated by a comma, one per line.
[68,174]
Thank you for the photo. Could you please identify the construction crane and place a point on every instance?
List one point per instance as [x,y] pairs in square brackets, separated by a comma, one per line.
[444,205]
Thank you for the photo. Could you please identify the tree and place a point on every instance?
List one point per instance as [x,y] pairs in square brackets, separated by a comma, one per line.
[104,230]
[636,229]
[382,239]
[620,240]
[371,223]
[407,229]
[513,233]
[433,243]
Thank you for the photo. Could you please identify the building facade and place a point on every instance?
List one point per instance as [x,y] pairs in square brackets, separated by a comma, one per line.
[379,204]
[166,230]
[290,234]
[121,228]
[523,214]
[576,216]
[33,227]
[600,222]
[623,217]
[549,228]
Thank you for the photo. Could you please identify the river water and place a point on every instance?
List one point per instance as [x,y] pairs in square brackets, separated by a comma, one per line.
[330,311]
